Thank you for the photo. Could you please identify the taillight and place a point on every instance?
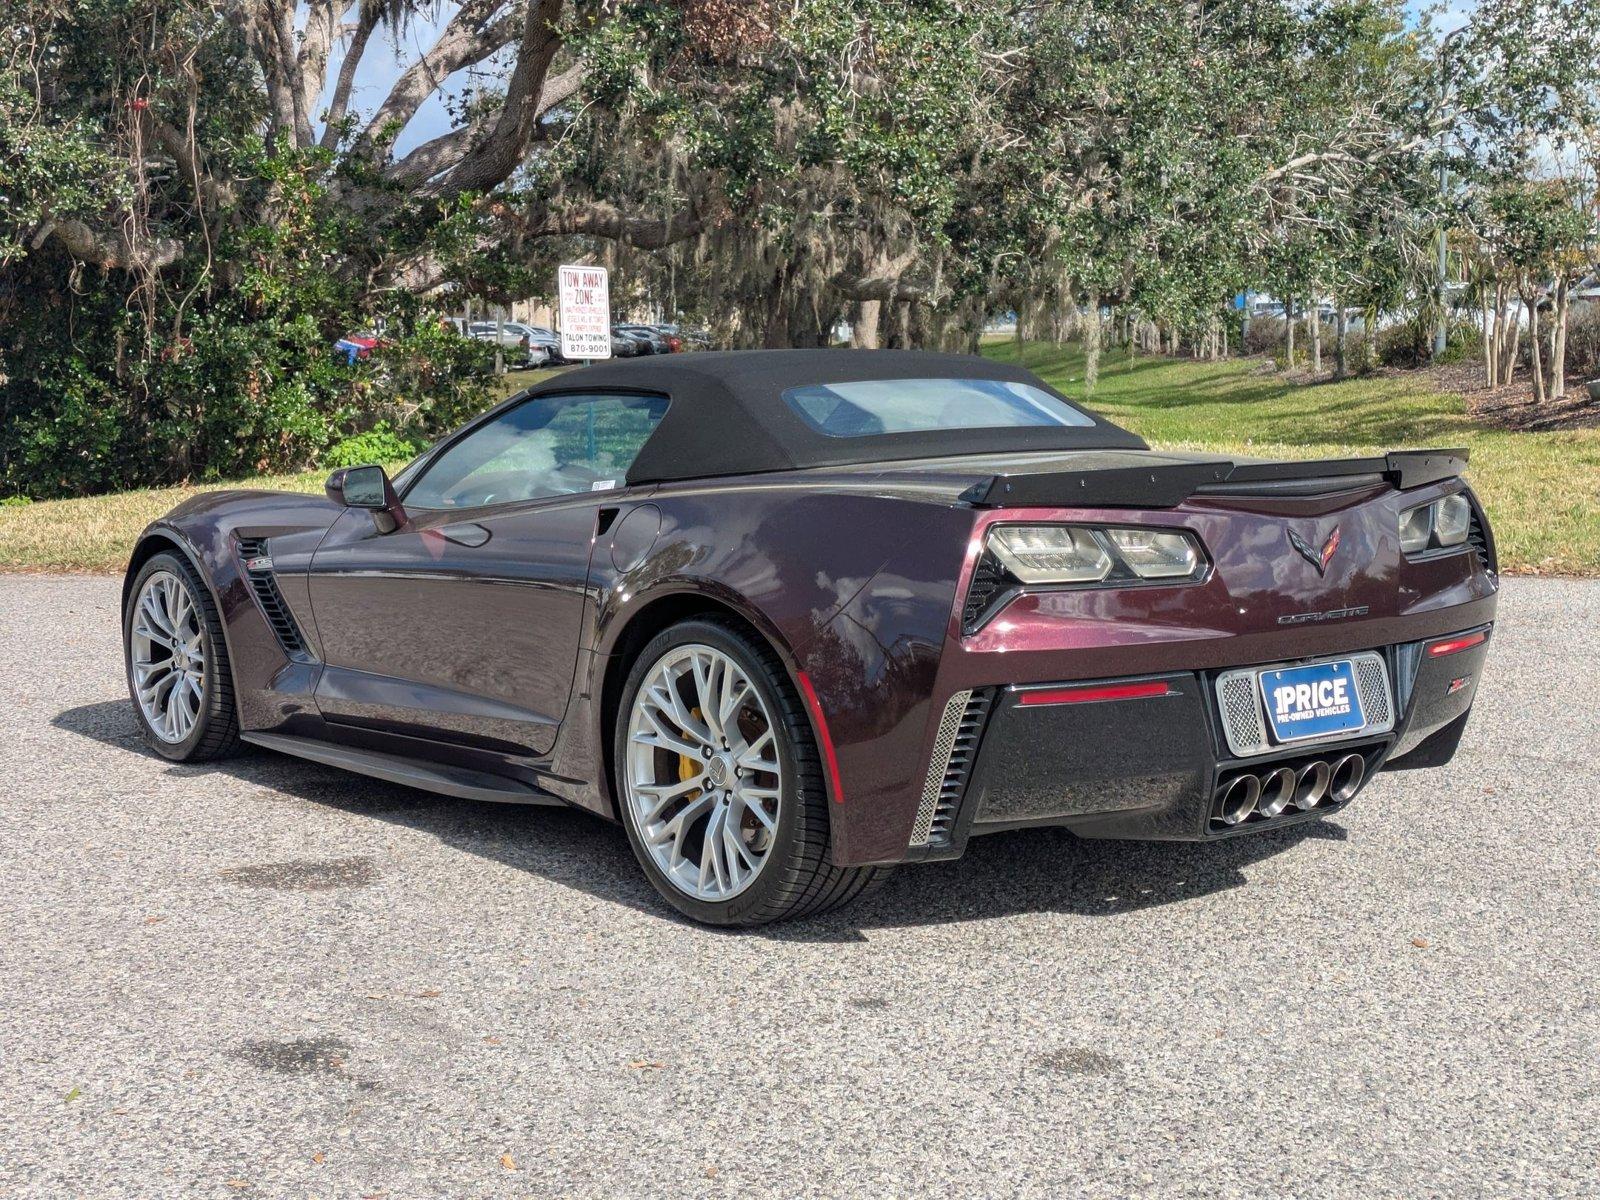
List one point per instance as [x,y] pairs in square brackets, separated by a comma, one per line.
[1062,556]
[1442,525]
[1093,554]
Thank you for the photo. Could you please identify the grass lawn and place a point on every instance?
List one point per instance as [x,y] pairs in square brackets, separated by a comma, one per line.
[1542,490]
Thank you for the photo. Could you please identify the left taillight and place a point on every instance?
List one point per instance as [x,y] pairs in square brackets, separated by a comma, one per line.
[1096,554]
[1063,556]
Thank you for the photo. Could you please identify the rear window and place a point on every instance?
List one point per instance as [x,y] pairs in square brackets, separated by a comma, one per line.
[878,406]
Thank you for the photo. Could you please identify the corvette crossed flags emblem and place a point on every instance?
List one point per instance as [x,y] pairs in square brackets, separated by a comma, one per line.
[1318,559]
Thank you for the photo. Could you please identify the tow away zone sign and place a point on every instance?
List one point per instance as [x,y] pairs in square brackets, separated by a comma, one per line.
[585,312]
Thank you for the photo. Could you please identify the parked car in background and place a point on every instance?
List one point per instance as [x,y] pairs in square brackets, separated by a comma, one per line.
[668,333]
[625,345]
[650,335]
[538,335]
[633,333]
[518,348]
[357,347]
[548,338]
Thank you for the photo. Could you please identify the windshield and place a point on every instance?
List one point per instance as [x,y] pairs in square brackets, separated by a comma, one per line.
[870,407]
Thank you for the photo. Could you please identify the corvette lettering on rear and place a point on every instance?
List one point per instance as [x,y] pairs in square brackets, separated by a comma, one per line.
[1332,614]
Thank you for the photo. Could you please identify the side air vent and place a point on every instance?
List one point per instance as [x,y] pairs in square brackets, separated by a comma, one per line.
[955,747]
[1478,539]
[990,581]
[256,554]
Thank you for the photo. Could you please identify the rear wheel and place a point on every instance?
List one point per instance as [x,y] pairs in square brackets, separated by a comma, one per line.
[177,663]
[720,783]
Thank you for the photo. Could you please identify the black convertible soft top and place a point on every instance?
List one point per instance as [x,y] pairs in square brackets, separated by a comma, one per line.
[727,414]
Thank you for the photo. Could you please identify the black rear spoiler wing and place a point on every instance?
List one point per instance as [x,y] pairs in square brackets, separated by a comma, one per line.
[1170,484]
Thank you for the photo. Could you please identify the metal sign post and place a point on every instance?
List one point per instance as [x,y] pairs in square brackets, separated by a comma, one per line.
[585,312]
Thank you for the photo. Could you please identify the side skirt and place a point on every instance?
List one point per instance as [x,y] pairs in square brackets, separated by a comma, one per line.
[461,782]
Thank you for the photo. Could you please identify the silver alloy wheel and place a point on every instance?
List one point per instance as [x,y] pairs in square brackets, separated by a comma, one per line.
[702,781]
[168,657]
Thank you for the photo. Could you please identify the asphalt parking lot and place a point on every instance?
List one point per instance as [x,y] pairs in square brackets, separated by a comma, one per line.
[267,978]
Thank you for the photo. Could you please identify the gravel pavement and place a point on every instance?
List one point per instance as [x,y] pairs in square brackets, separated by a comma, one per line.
[268,978]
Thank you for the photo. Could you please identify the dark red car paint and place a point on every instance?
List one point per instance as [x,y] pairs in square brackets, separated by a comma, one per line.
[503,652]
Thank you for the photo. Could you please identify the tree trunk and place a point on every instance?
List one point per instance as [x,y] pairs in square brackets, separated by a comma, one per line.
[1314,315]
[1288,334]
[1490,331]
[1091,343]
[1558,341]
[900,325]
[775,331]
[864,329]
[1511,345]
[1533,347]
[1341,332]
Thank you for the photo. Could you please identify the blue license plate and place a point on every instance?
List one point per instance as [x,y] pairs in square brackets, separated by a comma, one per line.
[1314,701]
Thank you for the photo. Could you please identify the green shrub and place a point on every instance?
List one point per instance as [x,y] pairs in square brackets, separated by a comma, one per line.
[1410,344]
[224,367]
[380,444]
[1583,342]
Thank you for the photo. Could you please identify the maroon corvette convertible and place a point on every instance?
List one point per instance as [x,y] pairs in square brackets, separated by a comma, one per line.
[793,617]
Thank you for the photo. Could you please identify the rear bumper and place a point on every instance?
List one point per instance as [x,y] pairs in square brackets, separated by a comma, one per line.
[1145,757]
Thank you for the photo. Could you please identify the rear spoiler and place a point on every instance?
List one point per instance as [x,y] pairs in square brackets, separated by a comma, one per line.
[1170,484]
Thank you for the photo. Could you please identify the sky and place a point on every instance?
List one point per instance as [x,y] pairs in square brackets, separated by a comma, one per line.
[386,56]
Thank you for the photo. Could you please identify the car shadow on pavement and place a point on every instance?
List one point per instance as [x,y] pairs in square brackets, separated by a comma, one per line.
[1026,871]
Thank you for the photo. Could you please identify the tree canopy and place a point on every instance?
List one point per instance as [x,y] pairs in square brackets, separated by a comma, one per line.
[197,200]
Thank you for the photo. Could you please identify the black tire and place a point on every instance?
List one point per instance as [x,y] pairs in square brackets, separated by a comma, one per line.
[797,879]
[216,729]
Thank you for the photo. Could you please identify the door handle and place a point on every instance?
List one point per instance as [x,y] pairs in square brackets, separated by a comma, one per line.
[467,533]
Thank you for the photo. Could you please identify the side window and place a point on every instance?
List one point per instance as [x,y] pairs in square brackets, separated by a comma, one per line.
[546,446]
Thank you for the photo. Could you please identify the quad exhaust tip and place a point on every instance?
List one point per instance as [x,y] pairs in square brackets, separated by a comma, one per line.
[1268,795]
[1277,791]
[1347,775]
[1238,800]
[1311,785]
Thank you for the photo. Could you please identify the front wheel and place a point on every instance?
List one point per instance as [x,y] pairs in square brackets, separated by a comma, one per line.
[177,663]
[720,783]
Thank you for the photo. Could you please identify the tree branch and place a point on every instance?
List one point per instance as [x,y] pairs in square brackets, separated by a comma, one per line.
[434,156]
[255,24]
[877,287]
[469,38]
[288,64]
[339,104]
[191,162]
[493,160]
[111,249]
[603,219]
[316,42]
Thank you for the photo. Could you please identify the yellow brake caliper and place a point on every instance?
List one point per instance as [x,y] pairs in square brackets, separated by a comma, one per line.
[689,767]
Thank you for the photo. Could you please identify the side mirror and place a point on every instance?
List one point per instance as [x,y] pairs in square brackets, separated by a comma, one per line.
[369,488]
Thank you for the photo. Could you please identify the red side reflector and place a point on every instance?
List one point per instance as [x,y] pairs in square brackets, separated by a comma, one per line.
[828,755]
[1456,645]
[1087,695]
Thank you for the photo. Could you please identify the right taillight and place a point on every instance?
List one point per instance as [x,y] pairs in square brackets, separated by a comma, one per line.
[1441,525]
